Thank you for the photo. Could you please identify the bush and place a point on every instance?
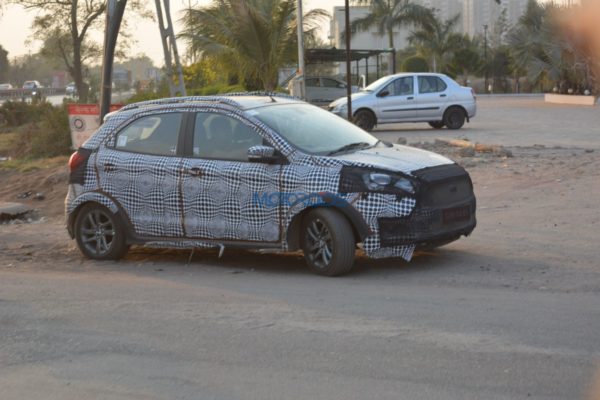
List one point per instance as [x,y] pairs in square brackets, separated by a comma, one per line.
[415,64]
[48,137]
[17,113]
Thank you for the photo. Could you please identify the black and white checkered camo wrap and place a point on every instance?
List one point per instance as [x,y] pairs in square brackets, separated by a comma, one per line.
[162,201]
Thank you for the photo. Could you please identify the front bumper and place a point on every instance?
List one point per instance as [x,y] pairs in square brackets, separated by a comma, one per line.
[445,210]
[427,226]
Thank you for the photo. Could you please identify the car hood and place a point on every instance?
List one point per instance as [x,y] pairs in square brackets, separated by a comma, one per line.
[404,159]
[355,97]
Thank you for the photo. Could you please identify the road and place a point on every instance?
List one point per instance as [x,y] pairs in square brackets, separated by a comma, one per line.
[512,312]
[117,97]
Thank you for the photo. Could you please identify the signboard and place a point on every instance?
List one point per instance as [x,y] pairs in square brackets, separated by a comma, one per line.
[84,120]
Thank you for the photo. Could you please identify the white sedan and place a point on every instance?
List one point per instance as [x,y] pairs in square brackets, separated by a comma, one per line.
[421,97]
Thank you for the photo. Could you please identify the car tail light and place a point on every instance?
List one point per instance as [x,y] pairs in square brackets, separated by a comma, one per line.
[76,160]
[78,164]
[473,93]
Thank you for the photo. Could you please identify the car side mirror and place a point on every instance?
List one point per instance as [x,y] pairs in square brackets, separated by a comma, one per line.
[263,154]
[383,93]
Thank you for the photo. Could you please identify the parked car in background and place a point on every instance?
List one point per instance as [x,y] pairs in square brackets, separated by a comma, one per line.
[31,85]
[323,89]
[71,89]
[5,86]
[422,97]
[262,172]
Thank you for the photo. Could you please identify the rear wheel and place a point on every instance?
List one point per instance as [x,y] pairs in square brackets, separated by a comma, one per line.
[437,124]
[328,242]
[99,233]
[454,118]
[365,120]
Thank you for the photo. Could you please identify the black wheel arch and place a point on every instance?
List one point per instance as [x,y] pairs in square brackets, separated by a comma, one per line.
[360,228]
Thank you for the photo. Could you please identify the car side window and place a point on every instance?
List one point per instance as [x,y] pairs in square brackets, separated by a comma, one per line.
[154,134]
[330,83]
[223,138]
[311,82]
[401,87]
[431,84]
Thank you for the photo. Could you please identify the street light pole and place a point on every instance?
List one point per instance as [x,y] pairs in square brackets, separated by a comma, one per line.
[485,57]
[300,75]
[348,60]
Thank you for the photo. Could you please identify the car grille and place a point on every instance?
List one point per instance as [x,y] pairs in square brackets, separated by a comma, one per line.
[445,209]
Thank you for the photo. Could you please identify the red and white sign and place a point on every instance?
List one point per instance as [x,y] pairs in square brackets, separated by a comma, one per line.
[84,120]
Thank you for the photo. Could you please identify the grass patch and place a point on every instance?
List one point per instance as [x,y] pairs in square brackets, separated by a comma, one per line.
[28,164]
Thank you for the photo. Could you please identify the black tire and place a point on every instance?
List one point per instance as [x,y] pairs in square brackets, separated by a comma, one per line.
[327,242]
[99,233]
[365,120]
[437,124]
[454,118]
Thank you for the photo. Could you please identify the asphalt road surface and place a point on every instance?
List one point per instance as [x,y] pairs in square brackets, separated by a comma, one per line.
[512,312]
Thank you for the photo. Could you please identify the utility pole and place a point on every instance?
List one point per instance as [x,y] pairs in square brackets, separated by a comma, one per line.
[348,60]
[300,74]
[114,15]
[169,43]
[485,57]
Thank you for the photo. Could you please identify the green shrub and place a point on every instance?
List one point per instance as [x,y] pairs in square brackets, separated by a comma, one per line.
[415,64]
[48,137]
[17,113]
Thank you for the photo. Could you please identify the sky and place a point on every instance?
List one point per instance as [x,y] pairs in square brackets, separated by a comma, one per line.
[15,29]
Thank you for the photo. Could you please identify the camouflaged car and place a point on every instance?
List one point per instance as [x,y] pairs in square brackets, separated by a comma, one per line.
[259,172]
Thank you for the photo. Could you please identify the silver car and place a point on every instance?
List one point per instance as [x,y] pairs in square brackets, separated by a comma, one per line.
[423,97]
[323,89]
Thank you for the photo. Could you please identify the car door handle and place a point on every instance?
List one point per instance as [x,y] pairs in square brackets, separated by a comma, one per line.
[108,167]
[443,95]
[195,172]
[410,98]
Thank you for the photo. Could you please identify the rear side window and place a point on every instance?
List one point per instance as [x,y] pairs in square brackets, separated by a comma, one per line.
[154,134]
[431,84]
[220,137]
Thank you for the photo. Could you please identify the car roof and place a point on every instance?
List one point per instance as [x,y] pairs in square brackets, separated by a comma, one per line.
[241,101]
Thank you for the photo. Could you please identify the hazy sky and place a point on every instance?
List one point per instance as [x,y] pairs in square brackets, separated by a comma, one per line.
[15,28]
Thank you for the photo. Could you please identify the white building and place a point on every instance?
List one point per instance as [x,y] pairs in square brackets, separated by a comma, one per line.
[362,40]
[477,13]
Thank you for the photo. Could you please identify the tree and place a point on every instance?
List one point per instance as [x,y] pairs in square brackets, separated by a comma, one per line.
[64,27]
[539,47]
[437,41]
[389,14]
[252,37]
[4,65]
[466,59]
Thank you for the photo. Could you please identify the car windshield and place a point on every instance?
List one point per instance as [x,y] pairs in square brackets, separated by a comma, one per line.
[312,129]
[377,84]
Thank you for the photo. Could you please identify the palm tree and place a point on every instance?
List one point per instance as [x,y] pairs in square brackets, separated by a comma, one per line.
[437,41]
[254,38]
[389,14]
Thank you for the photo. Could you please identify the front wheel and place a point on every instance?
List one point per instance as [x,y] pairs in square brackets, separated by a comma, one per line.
[365,120]
[454,118]
[99,233]
[328,242]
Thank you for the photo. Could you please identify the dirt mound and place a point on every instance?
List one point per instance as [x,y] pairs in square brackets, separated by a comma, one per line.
[42,189]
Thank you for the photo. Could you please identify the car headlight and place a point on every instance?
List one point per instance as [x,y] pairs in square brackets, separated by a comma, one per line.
[341,108]
[355,179]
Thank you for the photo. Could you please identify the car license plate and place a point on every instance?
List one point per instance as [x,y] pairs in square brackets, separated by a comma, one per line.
[456,214]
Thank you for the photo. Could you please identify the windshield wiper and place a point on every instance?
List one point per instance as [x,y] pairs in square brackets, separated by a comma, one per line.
[350,146]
